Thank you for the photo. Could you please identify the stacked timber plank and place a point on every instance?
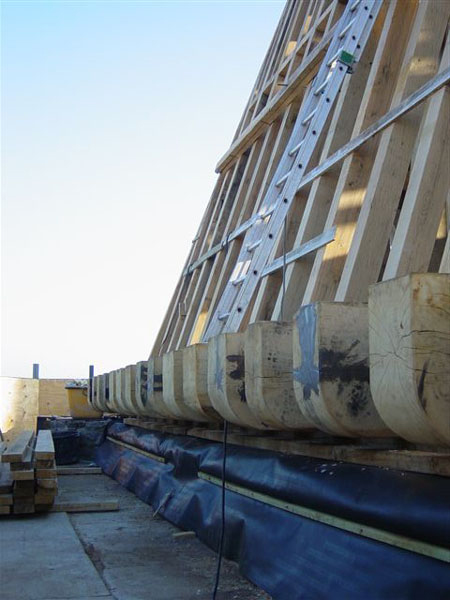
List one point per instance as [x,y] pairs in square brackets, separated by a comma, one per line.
[28,481]
[45,471]
[6,485]
[315,296]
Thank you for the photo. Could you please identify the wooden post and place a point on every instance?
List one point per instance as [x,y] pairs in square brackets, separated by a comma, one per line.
[173,386]
[409,355]
[331,369]
[195,386]
[268,376]
[226,379]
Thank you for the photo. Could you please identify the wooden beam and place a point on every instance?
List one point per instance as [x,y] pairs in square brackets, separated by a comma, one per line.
[173,386]
[130,390]
[390,168]
[300,79]
[416,461]
[143,406]
[226,380]
[331,369]
[45,448]
[409,355]
[268,376]
[16,451]
[156,457]
[379,535]
[195,382]
[155,398]
[426,194]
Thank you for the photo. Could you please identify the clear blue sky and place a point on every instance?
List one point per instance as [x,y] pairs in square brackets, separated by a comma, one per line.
[114,115]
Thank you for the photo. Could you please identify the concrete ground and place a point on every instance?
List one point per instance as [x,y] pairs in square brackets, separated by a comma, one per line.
[122,555]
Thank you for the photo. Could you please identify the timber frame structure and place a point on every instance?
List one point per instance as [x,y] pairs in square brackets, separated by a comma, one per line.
[326,235]
[381,159]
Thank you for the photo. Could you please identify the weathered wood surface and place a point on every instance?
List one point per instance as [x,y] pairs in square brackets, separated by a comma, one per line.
[6,481]
[111,400]
[140,390]
[409,355]
[102,391]
[45,448]
[155,397]
[226,379]
[331,369]
[53,399]
[173,387]
[19,405]
[418,461]
[129,389]
[268,376]
[94,400]
[195,382]
[16,450]
[119,392]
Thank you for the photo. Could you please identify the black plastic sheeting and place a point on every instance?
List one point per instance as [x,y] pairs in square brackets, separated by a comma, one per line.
[289,556]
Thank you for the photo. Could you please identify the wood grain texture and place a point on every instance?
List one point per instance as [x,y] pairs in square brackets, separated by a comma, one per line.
[53,398]
[331,369]
[226,380]
[268,376]
[195,382]
[409,355]
[17,449]
[155,386]
[19,405]
[173,386]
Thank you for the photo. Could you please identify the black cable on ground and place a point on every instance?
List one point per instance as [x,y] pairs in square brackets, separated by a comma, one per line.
[222,528]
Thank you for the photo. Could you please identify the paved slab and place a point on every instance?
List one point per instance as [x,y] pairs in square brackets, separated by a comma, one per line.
[137,555]
[41,558]
[122,555]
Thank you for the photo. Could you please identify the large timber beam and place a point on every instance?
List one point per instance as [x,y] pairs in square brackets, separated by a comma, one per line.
[331,369]
[226,380]
[268,376]
[409,355]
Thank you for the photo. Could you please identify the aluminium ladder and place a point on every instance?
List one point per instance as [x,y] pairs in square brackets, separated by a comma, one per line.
[346,47]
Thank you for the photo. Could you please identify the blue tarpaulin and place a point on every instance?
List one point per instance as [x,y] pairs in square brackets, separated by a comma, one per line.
[290,556]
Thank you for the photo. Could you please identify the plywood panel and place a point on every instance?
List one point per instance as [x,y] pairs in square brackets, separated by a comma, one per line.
[53,397]
[19,405]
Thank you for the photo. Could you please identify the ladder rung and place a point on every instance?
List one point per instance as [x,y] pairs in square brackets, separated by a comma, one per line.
[355,5]
[239,280]
[224,316]
[251,247]
[321,87]
[309,117]
[334,57]
[296,148]
[267,213]
[345,30]
[283,179]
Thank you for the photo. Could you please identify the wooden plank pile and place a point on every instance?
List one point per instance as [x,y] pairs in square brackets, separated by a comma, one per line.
[315,296]
[28,480]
